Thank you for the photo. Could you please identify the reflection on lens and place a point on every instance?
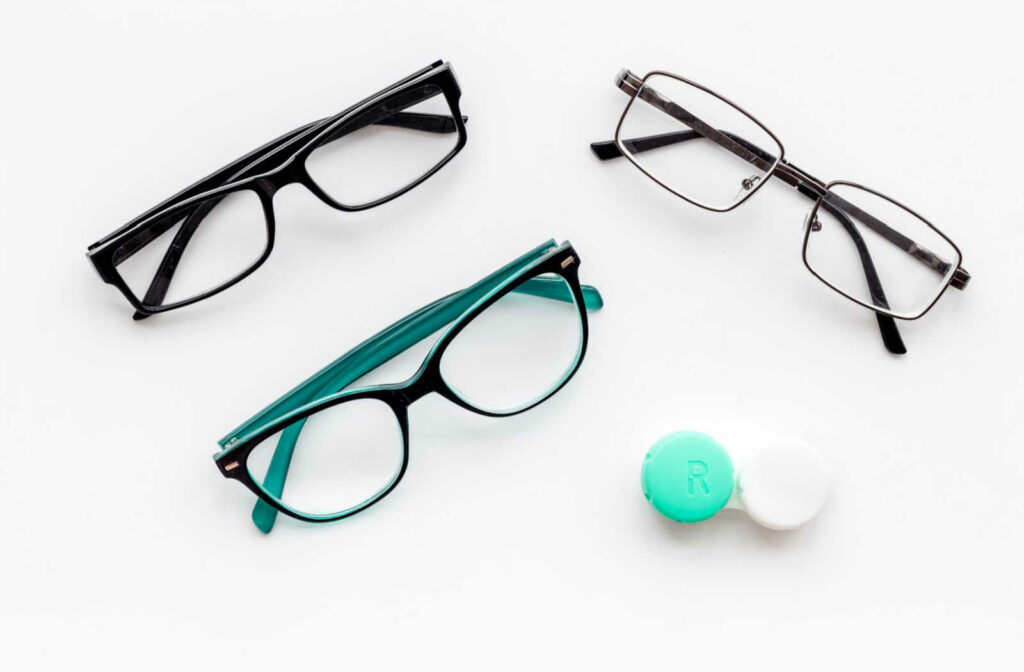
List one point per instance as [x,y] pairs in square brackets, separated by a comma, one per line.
[199,248]
[340,457]
[878,252]
[518,350]
[681,135]
[386,148]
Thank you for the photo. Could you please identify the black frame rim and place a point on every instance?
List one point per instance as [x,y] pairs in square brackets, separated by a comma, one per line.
[290,169]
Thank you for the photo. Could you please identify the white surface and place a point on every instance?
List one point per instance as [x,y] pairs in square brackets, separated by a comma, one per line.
[521,543]
[784,485]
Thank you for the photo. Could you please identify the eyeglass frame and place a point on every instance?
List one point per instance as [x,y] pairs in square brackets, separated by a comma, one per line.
[808,185]
[265,171]
[457,310]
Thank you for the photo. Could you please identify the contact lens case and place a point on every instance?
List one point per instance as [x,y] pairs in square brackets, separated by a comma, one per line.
[689,477]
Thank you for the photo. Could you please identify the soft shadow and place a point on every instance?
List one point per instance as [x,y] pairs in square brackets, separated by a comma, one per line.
[727,524]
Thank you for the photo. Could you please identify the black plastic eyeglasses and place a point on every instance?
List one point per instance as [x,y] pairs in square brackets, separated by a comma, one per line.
[709,151]
[509,342]
[364,156]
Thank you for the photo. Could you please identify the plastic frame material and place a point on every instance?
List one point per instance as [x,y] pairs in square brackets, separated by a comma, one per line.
[808,185]
[327,387]
[266,170]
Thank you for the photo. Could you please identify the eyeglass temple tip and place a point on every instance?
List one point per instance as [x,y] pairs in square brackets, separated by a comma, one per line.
[263,516]
[890,334]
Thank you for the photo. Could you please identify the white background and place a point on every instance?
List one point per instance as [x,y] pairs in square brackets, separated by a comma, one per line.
[524,542]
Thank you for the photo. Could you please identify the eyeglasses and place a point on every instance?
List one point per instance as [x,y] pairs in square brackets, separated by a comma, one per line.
[515,338]
[219,230]
[710,152]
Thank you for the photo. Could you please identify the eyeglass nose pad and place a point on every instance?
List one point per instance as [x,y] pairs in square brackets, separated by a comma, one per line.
[814,222]
[746,185]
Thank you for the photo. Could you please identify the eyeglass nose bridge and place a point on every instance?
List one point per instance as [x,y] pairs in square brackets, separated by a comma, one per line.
[416,389]
[290,172]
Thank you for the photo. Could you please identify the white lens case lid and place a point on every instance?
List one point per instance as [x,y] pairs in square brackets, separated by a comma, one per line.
[783,485]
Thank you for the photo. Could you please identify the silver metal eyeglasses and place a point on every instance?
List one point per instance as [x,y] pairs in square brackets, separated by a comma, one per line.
[709,151]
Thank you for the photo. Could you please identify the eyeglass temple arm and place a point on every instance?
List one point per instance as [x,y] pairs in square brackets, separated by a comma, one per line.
[431,318]
[248,164]
[633,85]
[960,278]
[221,176]
[793,176]
[406,328]
[886,324]
[159,286]
[377,350]
[888,330]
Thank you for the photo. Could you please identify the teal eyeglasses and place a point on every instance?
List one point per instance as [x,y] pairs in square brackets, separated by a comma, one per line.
[510,341]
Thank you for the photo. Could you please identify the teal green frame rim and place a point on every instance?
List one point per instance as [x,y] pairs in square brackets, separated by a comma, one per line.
[327,387]
[533,402]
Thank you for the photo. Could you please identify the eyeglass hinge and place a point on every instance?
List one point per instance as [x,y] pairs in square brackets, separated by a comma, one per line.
[568,261]
[960,278]
[628,82]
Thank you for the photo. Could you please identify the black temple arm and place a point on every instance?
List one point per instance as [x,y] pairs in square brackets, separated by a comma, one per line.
[763,160]
[908,245]
[886,324]
[890,334]
[609,150]
[161,283]
[212,181]
[428,123]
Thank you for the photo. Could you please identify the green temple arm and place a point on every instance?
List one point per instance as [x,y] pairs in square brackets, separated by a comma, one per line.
[554,288]
[380,348]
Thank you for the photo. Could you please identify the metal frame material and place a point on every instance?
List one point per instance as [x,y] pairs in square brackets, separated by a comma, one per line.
[912,248]
[637,89]
[808,185]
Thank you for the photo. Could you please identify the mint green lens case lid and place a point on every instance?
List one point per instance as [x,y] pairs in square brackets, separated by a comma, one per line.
[689,477]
